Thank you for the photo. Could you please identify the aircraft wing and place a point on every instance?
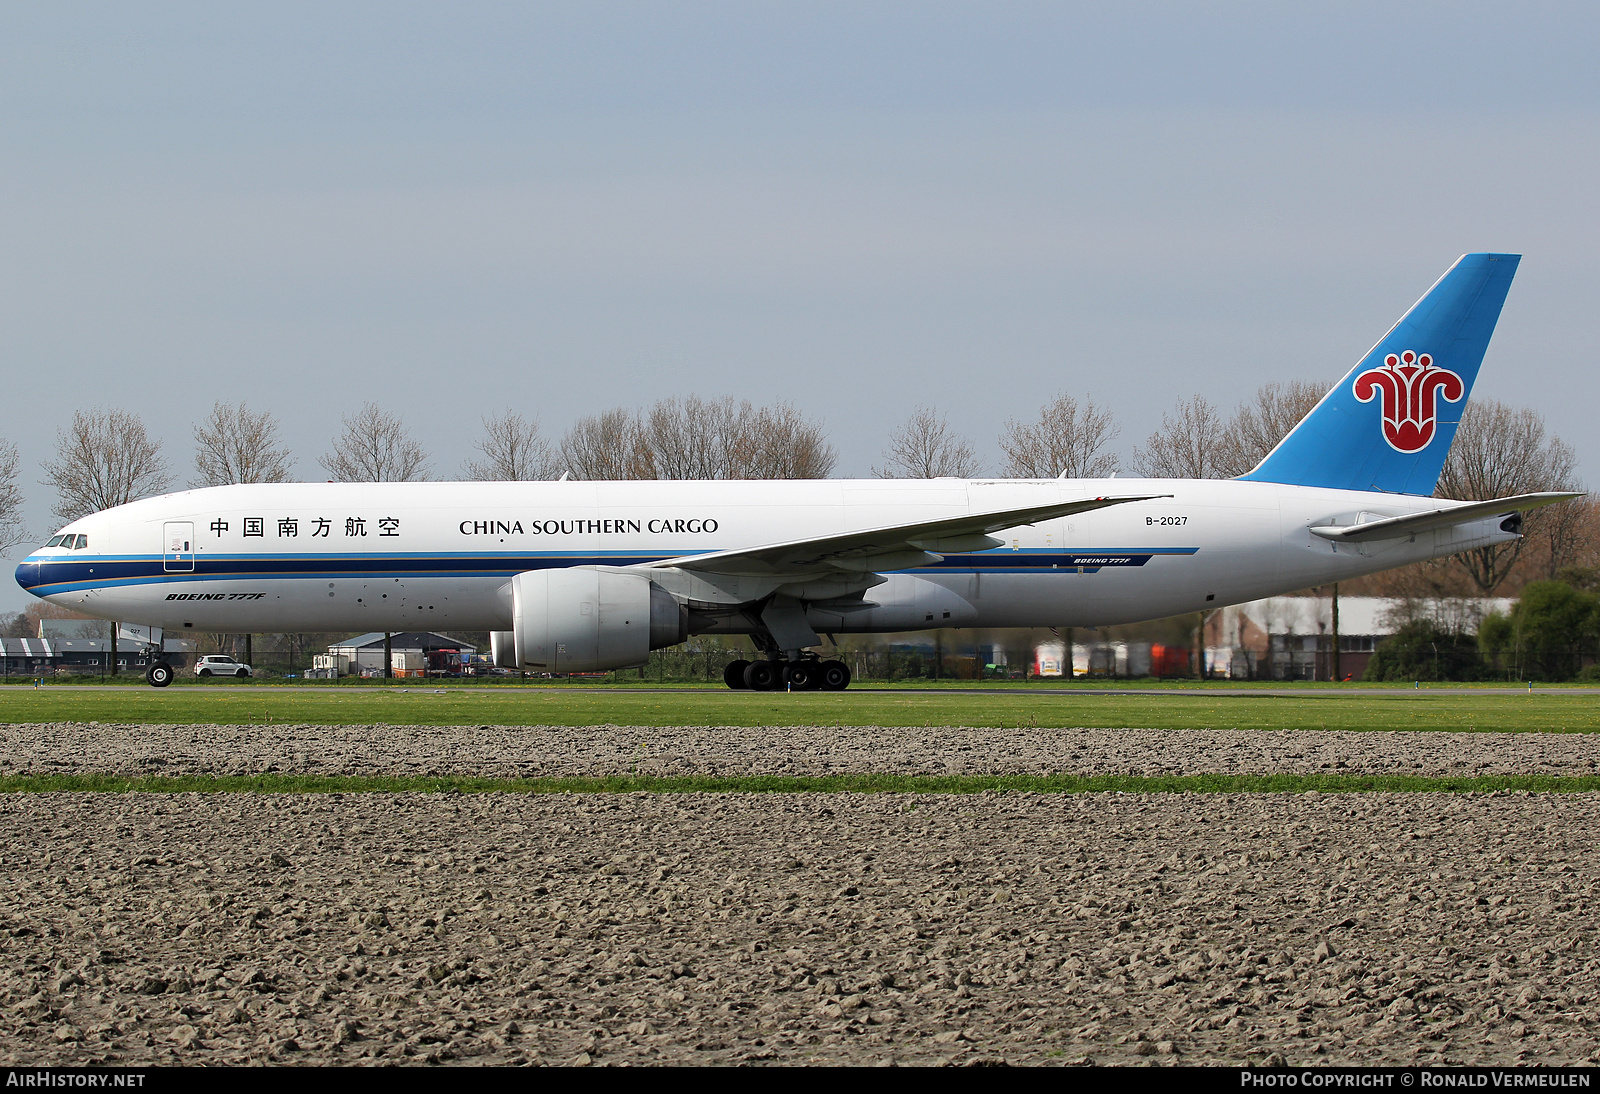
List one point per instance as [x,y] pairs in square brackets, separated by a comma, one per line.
[1395,527]
[894,547]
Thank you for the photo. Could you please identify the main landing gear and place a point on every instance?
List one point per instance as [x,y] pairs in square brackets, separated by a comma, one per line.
[807,674]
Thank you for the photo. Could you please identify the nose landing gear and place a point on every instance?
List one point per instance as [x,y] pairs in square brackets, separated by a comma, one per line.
[158,675]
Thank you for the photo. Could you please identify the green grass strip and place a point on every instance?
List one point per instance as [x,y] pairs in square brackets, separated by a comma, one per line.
[1541,712]
[798,784]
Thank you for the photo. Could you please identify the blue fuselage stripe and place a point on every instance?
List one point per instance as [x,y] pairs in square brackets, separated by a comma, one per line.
[45,575]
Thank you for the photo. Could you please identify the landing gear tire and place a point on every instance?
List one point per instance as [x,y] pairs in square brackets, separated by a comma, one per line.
[801,675]
[733,675]
[833,676]
[762,676]
[158,675]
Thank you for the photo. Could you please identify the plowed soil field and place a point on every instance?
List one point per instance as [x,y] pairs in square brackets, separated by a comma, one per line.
[793,928]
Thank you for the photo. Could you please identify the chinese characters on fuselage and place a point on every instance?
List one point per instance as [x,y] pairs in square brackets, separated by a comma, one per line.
[319,527]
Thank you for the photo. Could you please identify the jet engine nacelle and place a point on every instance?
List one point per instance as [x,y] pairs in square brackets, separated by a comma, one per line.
[591,618]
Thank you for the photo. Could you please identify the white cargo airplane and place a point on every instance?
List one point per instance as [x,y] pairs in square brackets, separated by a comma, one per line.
[581,576]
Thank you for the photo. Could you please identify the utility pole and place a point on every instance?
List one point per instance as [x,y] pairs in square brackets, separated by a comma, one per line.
[249,653]
[113,647]
[1337,675]
[388,656]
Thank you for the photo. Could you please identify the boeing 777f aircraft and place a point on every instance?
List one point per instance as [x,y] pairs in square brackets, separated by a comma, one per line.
[583,576]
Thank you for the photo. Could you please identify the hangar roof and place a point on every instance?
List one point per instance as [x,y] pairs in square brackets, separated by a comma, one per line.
[404,641]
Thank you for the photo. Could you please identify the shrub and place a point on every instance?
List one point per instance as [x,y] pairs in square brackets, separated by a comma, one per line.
[1421,651]
[1548,634]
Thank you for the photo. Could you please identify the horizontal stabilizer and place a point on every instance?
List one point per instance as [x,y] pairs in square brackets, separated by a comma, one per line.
[897,546]
[1465,513]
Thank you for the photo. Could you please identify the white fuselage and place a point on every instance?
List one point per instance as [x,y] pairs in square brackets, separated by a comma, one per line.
[435,556]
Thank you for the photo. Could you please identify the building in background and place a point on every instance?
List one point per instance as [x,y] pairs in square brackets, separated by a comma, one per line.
[411,653]
[1279,638]
[84,646]
[1093,655]
[1291,637]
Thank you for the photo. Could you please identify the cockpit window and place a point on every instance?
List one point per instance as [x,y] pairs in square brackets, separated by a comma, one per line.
[55,541]
[83,541]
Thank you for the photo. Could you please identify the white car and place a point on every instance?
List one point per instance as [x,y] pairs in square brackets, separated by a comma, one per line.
[220,664]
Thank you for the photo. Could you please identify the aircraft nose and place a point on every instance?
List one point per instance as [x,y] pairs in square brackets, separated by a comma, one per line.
[28,575]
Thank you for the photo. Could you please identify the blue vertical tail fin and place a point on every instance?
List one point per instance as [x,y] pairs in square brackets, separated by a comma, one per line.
[1389,423]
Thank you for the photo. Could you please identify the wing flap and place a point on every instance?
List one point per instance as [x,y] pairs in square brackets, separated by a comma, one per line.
[894,546]
[1465,513]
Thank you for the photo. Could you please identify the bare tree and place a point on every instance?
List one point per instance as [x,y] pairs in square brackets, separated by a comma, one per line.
[925,447]
[1434,579]
[1570,532]
[776,442]
[104,458]
[38,610]
[1499,451]
[695,438]
[1256,428]
[236,444]
[11,530]
[512,451]
[607,446]
[376,447]
[1068,439]
[1189,444]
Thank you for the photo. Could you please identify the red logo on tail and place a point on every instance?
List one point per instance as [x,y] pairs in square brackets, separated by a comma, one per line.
[1410,385]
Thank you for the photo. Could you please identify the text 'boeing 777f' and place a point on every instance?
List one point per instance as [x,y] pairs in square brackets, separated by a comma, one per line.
[583,576]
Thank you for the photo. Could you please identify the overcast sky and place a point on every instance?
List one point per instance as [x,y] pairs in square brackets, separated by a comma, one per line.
[456,208]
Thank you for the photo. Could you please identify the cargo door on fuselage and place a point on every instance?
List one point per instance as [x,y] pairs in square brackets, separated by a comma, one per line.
[177,549]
